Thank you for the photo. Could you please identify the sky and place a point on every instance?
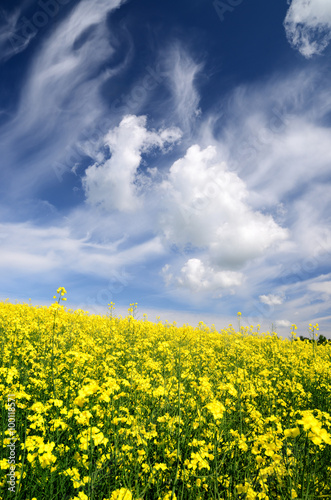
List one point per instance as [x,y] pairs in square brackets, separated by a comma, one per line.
[173,154]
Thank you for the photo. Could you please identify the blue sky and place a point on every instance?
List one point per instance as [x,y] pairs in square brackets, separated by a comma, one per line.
[173,154]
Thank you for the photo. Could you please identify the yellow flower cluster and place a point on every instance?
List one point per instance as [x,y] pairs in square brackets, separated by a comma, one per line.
[316,433]
[120,409]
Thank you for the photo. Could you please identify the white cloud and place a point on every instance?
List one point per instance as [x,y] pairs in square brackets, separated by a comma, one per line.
[111,184]
[271,300]
[276,127]
[198,277]
[59,76]
[207,208]
[182,74]
[323,287]
[30,250]
[308,26]
[283,323]
[291,153]
[276,140]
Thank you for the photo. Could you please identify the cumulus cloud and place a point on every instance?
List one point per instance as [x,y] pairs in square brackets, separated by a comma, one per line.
[276,138]
[308,26]
[198,277]
[207,208]
[111,184]
[271,300]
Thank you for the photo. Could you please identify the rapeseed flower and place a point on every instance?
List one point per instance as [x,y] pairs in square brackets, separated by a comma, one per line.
[216,408]
[121,494]
[81,496]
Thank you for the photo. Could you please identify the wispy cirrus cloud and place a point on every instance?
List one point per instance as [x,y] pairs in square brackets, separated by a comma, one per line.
[28,249]
[182,73]
[8,30]
[61,96]
[18,27]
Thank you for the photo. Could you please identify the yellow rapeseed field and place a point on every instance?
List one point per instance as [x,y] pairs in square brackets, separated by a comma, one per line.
[101,407]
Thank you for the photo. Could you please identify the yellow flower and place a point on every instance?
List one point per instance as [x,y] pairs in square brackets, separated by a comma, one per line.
[294,432]
[160,467]
[4,464]
[158,392]
[122,494]
[46,459]
[146,468]
[31,457]
[80,401]
[216,408]
[81,496]
[169,496]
